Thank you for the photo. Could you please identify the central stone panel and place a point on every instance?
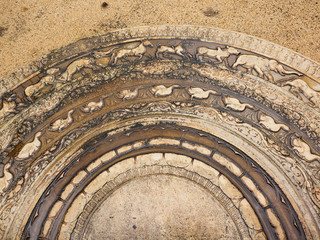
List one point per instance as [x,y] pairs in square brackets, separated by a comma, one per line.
[161,207]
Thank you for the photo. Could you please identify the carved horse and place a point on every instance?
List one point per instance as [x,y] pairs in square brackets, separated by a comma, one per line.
[219,54]
[138,51]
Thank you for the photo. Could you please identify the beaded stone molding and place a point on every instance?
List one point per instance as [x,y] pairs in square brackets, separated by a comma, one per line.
[229,113]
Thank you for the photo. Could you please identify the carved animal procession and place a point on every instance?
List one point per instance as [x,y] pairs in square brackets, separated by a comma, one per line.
[232,108]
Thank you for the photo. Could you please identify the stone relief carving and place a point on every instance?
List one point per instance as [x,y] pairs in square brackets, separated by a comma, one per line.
[75,66]
[220,77]
[262,66]
[214,35]
[94,106]
[7,138]
[303,150]
[235,104]
[315,195]
[245,128]
[127,51]
[299,175]
[128,94]
[266,95]
[199,149]
[219,54]
[47,80]
[66,140]
[5,180]
[202,90]
[7,108]
[200,93]
[178,50]
[31,148]
[163,91]
[154,168]
[159,67]
[269,123]
[61,124]
[11,105]
[302,90]
[294,169]
[161,107]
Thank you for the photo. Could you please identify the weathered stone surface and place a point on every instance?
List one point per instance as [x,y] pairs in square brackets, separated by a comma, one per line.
[75,209]
[161,207]
[174,124]
[249,215]
[97,183]
[228,188]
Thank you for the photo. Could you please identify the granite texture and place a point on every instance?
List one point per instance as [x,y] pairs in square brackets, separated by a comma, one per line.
[29,29]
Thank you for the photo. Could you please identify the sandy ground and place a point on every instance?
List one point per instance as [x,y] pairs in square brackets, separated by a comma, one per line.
[30,29]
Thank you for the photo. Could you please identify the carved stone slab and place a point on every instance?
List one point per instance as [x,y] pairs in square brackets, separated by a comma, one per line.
[216,114]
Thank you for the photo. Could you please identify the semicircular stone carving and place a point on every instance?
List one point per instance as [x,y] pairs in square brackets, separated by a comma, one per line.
[162,132]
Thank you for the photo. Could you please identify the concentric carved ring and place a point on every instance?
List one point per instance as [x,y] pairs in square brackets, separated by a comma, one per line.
[229,114]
